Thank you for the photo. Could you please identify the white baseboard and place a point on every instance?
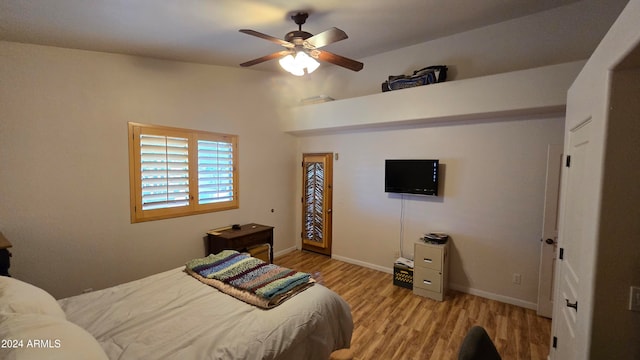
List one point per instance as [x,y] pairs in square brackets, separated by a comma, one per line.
[464,289]
[493,296]
[284,252]
[363,264]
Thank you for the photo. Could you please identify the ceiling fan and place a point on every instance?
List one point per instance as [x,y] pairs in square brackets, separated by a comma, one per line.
[302,49]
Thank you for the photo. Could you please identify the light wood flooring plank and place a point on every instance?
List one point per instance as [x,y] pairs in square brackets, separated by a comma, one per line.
[391,322]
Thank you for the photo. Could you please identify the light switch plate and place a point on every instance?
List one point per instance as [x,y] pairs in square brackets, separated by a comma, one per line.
[634,298]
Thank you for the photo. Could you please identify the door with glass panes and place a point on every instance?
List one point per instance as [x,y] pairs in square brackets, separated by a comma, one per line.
[317,193]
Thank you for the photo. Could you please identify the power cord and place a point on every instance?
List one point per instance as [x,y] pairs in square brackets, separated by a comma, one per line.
[401,224]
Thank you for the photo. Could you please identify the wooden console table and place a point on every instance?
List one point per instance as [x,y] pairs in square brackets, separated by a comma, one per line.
[247,236]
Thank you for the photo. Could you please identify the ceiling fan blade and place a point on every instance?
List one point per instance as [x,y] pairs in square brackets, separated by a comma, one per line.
[275,55]
[326,37]
[267,37]
[339,60]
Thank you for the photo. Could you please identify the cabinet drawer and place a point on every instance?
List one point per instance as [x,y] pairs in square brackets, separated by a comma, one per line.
[428,256]
[427,279]
[252,239]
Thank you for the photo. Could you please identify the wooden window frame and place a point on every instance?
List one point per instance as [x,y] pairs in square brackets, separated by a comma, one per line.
[193,207]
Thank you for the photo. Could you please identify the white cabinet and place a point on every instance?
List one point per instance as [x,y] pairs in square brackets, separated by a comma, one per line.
[430,270]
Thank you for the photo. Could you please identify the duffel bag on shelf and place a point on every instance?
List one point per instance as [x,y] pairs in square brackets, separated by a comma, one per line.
[425,76]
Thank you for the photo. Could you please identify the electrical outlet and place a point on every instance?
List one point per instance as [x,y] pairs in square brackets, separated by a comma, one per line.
[634,298]
[517,278]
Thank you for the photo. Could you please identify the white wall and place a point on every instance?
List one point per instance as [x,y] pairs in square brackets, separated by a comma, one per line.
[618,263]
[63,117]
[491,203]
[495,219]
[65,175]
[564,34]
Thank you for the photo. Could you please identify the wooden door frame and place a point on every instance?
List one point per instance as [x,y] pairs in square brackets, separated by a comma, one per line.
[327,207]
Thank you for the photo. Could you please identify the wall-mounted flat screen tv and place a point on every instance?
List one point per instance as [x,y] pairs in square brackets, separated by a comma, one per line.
[411,176]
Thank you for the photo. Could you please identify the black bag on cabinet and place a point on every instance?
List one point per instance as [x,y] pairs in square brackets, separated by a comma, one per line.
[425,76]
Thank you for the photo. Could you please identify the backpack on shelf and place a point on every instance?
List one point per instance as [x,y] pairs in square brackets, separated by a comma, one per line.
[425,76]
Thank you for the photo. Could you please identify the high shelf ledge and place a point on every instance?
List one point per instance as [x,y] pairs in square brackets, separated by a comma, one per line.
[533,92]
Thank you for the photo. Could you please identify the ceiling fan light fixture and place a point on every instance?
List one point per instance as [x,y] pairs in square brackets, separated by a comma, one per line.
[301,49]
[297,64]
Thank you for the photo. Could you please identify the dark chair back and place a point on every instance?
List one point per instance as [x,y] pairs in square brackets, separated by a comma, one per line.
[477,345]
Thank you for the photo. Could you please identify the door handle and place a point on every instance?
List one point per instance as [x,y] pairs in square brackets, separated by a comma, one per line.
[550,241]
[572,305]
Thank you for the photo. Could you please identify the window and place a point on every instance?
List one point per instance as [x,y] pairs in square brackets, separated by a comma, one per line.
[176,172]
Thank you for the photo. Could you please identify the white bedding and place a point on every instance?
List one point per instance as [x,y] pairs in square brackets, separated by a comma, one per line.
[171,315]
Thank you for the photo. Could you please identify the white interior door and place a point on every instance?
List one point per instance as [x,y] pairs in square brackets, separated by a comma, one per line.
[549,240]
[570,241]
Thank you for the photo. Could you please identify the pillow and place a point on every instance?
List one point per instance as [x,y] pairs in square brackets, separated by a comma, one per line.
[20,297]
[37,336]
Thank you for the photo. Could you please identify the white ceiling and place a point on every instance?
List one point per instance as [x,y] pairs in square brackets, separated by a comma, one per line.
[206,31]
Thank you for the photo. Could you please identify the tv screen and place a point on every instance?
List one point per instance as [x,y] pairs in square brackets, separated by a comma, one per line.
[411,177]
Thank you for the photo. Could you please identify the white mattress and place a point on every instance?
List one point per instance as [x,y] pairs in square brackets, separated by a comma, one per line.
[171,315]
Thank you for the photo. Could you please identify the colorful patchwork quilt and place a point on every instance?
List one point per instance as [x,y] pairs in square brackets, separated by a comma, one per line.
[249,279]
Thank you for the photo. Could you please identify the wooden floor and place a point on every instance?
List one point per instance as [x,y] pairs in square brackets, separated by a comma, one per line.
[391,322]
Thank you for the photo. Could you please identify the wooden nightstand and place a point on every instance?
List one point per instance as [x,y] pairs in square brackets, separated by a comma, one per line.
[247,236]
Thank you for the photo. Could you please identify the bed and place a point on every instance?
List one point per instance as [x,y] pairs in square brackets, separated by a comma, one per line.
[172,315]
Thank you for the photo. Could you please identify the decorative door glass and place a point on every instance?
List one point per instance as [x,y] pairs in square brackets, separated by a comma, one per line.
[314,194]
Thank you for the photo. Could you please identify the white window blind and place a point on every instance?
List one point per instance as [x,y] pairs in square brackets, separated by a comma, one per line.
[215,171]
[178,172]
[164,171]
